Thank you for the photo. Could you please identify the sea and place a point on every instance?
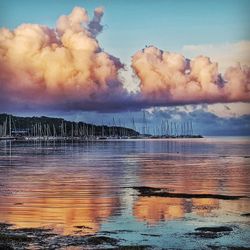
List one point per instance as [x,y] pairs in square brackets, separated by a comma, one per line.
[90,188]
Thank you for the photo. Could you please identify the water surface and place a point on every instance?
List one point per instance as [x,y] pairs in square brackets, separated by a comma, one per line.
[86,188]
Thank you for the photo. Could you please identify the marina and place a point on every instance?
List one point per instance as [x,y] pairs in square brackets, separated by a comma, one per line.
[49,129]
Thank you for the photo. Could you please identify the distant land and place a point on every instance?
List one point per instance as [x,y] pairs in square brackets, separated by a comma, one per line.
[47,128]
[59,127]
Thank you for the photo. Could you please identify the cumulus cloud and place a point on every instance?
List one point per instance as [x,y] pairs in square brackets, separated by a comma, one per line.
[63,67]
[226,54]
[95,26]
[170,78]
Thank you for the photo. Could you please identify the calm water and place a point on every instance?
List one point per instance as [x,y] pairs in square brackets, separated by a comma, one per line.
[63,185]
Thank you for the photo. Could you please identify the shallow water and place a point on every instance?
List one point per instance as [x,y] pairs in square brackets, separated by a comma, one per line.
[86,188]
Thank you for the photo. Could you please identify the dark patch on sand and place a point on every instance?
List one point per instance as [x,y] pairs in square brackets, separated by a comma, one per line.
[32,230]
[83,227]
[12,240]
[159,192]
[134,248]
[5,225]
[100,240]
[205,235]
[108,232]
[214,229]
[124,231]
[152,235]
[14,237]
[211,232]
[23,238]
[228,247]
[246,215]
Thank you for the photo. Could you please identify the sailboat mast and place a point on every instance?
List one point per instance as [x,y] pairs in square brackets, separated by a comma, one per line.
[10,125]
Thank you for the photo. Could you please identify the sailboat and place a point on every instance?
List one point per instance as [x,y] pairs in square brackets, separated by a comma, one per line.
[102,137]
[4,128]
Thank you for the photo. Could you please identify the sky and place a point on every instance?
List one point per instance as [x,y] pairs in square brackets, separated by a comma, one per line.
[95,60]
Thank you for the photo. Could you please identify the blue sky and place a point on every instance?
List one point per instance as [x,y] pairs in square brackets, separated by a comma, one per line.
[130,25]
[167,24]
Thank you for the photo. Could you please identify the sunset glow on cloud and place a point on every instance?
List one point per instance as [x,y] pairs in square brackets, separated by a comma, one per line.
[171,78]
[43,66]
[65,69]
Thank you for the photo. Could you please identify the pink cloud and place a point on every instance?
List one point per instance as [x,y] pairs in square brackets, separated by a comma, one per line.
[170,78]
[65,69]
[43,66]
